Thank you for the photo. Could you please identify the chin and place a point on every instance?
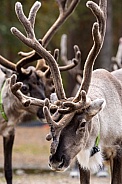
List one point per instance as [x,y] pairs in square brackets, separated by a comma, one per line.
[58,169]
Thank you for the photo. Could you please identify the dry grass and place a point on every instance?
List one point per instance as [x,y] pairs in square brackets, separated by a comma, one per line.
[30,147]
[52,178]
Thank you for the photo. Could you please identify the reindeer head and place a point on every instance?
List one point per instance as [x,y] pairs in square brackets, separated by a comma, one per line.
[70,132]
[35,80]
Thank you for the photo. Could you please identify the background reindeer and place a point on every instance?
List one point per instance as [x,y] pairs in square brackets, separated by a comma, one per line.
[33,81]
[117,61]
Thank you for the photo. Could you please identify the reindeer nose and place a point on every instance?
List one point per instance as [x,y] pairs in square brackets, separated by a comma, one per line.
[56,164]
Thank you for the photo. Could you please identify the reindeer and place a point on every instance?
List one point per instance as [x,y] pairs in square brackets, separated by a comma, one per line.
[117,61]
[32,81]
[87,126]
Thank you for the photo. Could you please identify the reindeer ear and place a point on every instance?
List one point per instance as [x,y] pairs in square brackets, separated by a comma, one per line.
[6,71]
[95,107]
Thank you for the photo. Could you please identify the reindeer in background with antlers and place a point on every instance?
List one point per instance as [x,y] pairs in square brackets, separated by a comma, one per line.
[33,82]
[117,61]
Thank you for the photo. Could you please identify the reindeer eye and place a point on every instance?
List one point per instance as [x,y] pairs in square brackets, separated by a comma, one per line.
[81,127]
[25,89]
[82,123]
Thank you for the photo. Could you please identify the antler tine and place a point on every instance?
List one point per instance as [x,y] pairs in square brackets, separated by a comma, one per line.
[7,63]
[56,54]
[75,61]
[48,117]
[21,53]
[32,42]
[63,46]
[14,89]
[71,106]
[23,62]
[69,66]
[29,22]
[29,28]
[98,32]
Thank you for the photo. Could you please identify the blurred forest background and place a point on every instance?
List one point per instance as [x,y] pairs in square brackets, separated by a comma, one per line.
[77,27]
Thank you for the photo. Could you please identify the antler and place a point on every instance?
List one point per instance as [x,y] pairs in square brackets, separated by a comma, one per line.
[7,63]
[76,72]
[65,10]
[32,42]
[72,64]
[98,33]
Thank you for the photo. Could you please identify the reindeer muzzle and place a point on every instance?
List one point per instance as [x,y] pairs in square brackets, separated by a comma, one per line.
[58,164]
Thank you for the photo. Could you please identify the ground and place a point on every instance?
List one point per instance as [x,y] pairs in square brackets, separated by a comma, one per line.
[30,160]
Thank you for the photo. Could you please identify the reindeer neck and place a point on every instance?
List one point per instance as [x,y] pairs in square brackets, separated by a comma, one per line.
[1,105]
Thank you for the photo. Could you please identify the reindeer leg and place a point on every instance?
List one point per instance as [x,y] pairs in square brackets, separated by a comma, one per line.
[84,175]
[8,145]
[117,168]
